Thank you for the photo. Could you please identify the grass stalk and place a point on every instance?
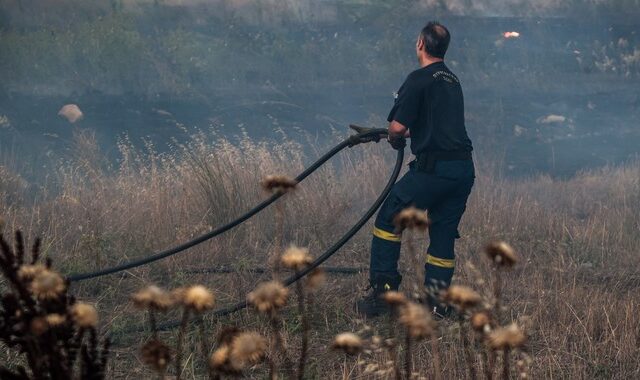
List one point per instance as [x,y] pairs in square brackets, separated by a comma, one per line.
[437,369]
[408,356]
[467,348]
[179,344]
[304,320]
[505,364]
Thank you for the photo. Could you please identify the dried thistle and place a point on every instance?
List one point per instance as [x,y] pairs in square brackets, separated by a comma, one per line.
[84,315]
[37,313]
[278,183]
[55,319]
[268,297]
[152,297]
[411,218]
[220,362]
[47,285]
[315,279]
[220,357]
[506,338]
[39,326]
[394,298]
[156,355]
[227,334]
[417,320]
[296,258]
[461,297]
[481,321]
[501,253]
[348,342]
[29,272]
[247,349]
[198,298]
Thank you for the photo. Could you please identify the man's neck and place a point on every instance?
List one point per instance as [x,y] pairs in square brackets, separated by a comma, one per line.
[427,60]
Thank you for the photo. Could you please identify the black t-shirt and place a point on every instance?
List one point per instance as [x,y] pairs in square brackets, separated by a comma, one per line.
[430,103]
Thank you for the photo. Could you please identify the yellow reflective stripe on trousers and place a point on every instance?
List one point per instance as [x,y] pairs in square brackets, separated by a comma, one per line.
[443,263]
[384,235]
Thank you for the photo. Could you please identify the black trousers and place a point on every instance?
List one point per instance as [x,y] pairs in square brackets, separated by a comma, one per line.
[443,193]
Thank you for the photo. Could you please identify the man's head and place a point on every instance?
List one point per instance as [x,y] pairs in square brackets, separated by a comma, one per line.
[433,41]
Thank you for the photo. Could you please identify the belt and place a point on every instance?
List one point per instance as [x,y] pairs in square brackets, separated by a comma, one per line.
[426,161]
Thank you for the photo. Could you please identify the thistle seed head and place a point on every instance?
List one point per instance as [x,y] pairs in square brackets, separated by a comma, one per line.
[29,272]
[509,337]
[152,297]
[227,334]
[247,349]
[39,326]
[48,285]
[268,297]
[417,320]
[296,258]
[501,253]
[198,298]
[481,321]
[156,355]
[411,218]
[220,361]
[220,357]
[461,297]
[84,315]
[315,279]
[278,183]
[394,298]
[55,319]
[348,342]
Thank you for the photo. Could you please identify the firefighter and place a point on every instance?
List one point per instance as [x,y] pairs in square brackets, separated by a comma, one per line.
[428,109]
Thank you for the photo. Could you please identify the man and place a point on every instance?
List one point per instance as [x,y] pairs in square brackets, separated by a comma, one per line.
[429,108]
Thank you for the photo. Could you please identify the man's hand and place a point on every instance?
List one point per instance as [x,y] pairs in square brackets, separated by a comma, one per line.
[397,142]
[397,135]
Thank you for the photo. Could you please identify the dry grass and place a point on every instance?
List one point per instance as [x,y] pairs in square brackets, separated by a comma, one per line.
[575,288]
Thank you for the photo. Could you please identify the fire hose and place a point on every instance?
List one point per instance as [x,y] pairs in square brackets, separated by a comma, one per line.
[363,135]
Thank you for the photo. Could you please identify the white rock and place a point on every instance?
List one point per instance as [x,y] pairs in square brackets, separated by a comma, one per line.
[71,112]
[552,119]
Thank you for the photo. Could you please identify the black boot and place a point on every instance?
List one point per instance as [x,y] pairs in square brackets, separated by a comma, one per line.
[373,305]
[432,301]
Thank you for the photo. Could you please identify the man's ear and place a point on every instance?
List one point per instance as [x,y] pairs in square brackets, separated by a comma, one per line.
[420,43]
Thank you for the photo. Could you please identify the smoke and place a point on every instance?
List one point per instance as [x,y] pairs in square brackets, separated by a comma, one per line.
[505,8]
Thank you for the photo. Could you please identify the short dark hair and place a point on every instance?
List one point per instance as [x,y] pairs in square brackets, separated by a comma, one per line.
[436,39]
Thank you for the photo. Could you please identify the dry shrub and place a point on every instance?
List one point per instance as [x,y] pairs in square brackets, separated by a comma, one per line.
[575,288]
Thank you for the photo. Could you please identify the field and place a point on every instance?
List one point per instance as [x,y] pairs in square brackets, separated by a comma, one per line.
[574,290]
